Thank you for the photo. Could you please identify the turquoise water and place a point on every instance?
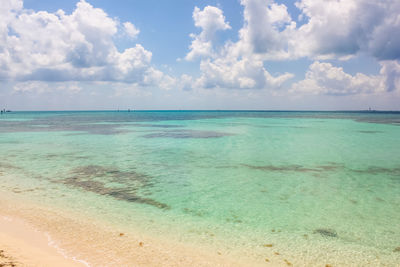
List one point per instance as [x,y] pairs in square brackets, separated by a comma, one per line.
[314,184]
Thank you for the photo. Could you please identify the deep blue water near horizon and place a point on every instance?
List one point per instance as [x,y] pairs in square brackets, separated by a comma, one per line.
[148,115]
[321,187]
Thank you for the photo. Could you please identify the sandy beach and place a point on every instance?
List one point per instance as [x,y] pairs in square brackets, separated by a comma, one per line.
[37,236]
[22,245]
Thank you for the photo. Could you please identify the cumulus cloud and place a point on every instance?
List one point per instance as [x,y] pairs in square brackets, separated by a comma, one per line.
[323,78]
[390,70]
[210,20]
[131,30]
[338,29]
[235,65]
[346,27]
[46,46]
[332,29]
[68,47]
[245,73]
[267,26]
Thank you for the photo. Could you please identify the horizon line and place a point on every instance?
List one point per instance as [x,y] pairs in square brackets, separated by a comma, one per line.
[209,110]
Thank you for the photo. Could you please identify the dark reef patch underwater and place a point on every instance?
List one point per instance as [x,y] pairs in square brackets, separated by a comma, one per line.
[326,232]
[94,178]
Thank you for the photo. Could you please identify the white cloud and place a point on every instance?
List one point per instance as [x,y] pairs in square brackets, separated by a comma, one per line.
[131,30]
[390,70]
[35,86]
[41,87]
[266,28]
[235,65]
[333,29]
[344,28]
[158,79]
[45,46]
[231,72]
[57,46]
[210,20]
[323,78]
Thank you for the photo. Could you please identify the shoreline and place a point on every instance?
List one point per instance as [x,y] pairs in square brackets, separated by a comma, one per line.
[38,236]
[22,245]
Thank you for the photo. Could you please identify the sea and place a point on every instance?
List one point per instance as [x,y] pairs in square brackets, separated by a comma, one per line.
[318,187]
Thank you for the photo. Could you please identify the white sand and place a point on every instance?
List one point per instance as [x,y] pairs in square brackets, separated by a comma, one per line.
[25,230]
[21,245]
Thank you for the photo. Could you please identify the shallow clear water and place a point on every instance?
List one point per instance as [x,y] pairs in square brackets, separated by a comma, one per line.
[306,182]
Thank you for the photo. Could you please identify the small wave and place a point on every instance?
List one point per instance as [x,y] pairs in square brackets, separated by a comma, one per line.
[63,252]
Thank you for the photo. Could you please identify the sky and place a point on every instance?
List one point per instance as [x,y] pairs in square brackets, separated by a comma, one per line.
[207,54]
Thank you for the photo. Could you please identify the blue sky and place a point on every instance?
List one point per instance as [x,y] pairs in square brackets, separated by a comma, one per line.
[247,54]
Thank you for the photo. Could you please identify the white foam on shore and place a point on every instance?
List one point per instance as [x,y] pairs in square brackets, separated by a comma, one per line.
[52,243]
[20,229]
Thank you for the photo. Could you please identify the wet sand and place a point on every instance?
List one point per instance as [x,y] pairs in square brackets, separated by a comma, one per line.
[22,245]
[38,236]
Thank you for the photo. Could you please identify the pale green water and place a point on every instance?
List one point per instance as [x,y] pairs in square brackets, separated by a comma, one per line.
[311,183]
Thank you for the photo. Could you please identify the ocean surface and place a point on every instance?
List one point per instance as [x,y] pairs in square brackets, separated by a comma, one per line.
[315,186]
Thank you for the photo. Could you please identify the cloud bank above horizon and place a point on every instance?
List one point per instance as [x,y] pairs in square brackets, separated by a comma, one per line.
[42,51]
